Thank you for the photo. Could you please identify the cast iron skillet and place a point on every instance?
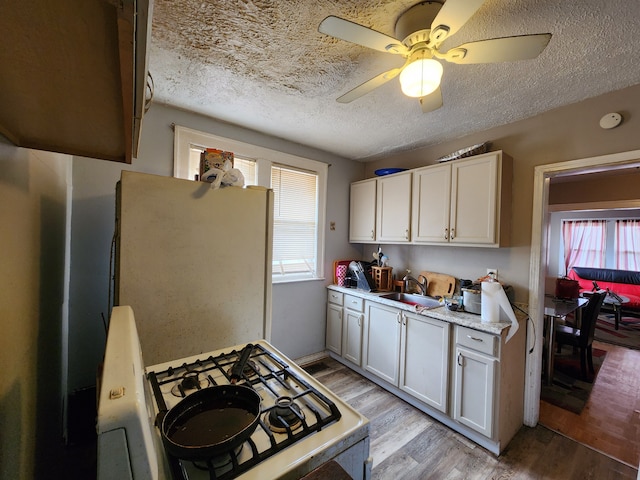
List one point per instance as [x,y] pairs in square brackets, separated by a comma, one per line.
[213,420]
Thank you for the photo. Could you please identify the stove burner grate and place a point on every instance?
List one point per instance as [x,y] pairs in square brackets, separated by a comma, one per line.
[191,381]
[284,416]
[270,375]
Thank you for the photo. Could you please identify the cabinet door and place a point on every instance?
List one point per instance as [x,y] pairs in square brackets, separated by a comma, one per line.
[474,390]
[333,340]
[352,336]
[381,343]
[474,191]
[424,359]
[393,220]
[430,204]
[362,211]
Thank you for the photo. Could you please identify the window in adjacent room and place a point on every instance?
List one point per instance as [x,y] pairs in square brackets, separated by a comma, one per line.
[627,245]
[299,186]
[584,243]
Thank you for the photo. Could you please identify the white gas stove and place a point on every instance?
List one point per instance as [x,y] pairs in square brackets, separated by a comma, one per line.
[301,424]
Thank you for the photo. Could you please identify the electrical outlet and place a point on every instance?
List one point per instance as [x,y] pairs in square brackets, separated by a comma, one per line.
[494,271]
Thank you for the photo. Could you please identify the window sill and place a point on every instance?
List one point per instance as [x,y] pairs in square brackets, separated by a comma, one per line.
[278,281]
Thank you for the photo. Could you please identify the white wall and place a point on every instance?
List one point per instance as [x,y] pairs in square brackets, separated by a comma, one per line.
[298,309]
[35,189]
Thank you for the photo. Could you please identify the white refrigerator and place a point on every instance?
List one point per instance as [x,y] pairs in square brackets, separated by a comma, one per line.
[193,263]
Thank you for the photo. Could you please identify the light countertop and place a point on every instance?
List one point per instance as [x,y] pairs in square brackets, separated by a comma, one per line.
[464,319]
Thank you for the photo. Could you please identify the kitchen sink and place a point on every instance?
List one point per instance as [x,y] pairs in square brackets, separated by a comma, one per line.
[411,299]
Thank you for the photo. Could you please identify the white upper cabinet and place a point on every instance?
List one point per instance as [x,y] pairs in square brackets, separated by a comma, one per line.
[474,201]
[465,202]
[362,212]
[431,204]
[393,220]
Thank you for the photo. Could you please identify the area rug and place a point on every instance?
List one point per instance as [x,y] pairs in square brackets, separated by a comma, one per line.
[568,390]
[627,335]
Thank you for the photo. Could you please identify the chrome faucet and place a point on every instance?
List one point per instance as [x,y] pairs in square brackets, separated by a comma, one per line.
[422,285]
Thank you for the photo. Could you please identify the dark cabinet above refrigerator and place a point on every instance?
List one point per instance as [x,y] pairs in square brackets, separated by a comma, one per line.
[74,75]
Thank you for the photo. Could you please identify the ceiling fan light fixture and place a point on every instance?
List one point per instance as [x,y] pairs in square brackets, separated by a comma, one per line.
[421,77]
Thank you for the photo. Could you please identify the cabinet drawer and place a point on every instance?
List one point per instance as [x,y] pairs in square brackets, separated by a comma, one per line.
[335,297]
[476,340]
[354,303]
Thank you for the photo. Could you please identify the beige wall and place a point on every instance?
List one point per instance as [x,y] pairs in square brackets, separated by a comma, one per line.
[587,189]
[567,133]
[33,211]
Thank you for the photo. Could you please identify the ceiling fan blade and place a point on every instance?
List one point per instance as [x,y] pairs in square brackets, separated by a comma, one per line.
[507,49]
[453,15]
[369,85]
[360,35]
[431,102]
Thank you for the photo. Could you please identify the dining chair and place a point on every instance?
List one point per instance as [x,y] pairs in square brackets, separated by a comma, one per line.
[582,338]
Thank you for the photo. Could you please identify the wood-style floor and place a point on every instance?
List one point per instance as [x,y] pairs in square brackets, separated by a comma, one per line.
[408,444]
[610,421]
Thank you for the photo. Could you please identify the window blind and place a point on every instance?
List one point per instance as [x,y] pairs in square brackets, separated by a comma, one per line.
[295,213]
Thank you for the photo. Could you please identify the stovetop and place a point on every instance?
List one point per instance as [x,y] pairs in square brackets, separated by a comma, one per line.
[294,409]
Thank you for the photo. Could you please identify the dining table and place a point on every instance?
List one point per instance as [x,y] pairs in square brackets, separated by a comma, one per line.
[614,302]
[558,308]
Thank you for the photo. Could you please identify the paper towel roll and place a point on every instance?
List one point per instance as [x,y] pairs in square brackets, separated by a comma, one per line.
[496,307]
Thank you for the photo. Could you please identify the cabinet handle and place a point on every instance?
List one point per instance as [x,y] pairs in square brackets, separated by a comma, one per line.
[398,316]
[453,233]
[149,91]
[446,234]
[359,320]
[475,339]
[406,234]
[460,359]
[373,235]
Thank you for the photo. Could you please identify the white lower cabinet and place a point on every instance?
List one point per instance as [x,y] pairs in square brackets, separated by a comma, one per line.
[471,380]
[476,363]
[424,359]
[474,390]
[333,337]
[409,351]
[381,342]
[352,325]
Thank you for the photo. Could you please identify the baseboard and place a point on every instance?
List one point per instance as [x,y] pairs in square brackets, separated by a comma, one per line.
[309,359]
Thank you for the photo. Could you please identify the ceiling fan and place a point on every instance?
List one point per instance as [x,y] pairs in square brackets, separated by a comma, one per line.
[422,29]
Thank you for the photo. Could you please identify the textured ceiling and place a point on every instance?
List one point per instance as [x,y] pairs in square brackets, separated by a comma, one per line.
[263,65]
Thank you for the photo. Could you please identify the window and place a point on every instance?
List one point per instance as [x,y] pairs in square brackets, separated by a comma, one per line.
[294,221]
[584,243]
[299,186]
[606,242]
[628,245]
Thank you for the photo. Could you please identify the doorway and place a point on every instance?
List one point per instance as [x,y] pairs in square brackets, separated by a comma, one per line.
[537,269]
